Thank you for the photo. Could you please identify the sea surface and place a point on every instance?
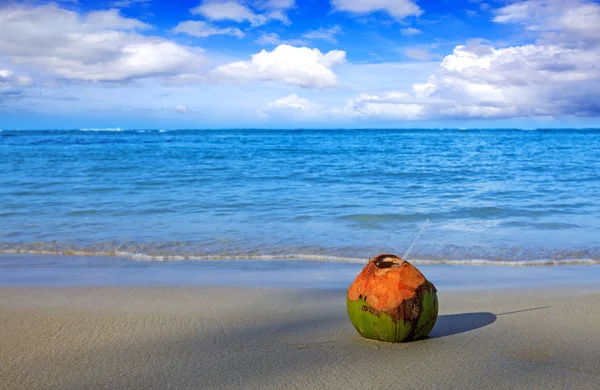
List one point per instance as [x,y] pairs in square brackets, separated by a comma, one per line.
[507,197]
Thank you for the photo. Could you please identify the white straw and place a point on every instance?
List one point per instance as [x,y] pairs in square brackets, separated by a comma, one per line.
[415,240]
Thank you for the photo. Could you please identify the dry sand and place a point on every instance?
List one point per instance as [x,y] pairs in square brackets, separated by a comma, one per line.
[204,338]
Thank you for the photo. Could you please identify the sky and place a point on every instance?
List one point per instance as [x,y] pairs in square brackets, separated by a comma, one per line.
[299,64]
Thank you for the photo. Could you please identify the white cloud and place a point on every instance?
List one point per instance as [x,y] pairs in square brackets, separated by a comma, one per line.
[269,39]
[478,81]
[274,39]
[387,106]
[556,75]
[11,84]
[180,109]
[407,32]
[111,19]
[98,46]
[278,4]
[528,80]
[299,66]
[128,3]
[547,79]
[276,9]
[518,12]
[234,10]
[292,101]
[325,34]
[418,54]
[202,29]
[291,106]
[398,9]
[227,10]
[573,22]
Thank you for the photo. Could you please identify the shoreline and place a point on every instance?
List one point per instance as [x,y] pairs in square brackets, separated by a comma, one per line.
[65,271]
[223,337]
[299,257]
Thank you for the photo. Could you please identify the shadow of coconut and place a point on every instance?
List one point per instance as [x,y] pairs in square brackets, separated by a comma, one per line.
[451,324]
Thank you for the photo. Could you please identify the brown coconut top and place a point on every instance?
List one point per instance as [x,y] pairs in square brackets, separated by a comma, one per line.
[386,281]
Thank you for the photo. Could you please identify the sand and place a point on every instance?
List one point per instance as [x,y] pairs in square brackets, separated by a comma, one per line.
[205,338]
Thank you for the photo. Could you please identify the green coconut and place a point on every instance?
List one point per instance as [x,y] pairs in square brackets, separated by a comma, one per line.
[392,301]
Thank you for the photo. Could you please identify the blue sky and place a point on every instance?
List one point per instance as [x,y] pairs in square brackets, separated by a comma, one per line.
[299,64]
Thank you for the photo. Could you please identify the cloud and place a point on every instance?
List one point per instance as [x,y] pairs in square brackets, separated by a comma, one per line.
[387,106]
[111,19]
[325,34]
[228,10]
[127,3]
[233,10]
[529,80]
[300,66]
[275,39]
[291,106]
[407,32]
[11,84]
[97,46]
[278,4]
[269,39]
[518,12]
[572,22]
[556,75]
[202,29]
[552,78]
[399,9]
[180,109]
[276,9]
[292,101]
[478,81]
[418,54]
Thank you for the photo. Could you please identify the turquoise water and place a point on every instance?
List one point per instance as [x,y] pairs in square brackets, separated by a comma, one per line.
[503,196]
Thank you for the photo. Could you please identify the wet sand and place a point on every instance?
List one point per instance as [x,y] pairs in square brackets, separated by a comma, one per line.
[212,337]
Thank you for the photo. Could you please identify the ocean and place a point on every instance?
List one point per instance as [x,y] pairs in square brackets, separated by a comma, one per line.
[508,197]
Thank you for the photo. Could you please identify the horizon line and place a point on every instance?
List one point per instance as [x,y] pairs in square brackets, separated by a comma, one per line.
[118,129]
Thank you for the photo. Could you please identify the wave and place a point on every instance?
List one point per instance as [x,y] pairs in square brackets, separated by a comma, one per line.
[102,129]
[118,129]
[305,257]
[146,257]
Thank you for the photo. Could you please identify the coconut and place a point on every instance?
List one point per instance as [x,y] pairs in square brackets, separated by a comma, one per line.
[392,301]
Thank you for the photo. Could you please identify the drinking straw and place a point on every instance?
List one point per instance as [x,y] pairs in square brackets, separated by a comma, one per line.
[416,239]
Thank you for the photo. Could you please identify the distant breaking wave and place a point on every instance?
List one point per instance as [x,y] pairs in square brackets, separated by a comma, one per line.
[118,129]
[300,256]
[102,129]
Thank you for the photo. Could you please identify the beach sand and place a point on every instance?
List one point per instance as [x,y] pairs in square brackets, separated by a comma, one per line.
[253,338]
